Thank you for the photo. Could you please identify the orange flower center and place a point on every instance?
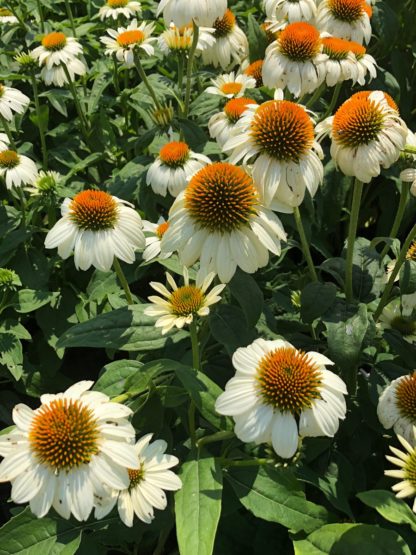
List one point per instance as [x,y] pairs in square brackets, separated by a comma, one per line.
[133,36]
[338,49]
[174,154]
[224,25]
[255,70]
[299,41]
[54,41]
[186,300]
[236,107]
[221,198]
[162,229]
[117,3]
[349,10]
[9,159]
[283,130]
[231,88]
[411,253]
[94,210]
[135,476]
[406,397]
[64,434]
[288,380]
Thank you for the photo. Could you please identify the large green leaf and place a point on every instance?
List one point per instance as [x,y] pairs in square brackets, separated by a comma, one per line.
[28,300]
[198,505]
[228,326]
[392,509]
[316,299]
[112,380]
[244,288]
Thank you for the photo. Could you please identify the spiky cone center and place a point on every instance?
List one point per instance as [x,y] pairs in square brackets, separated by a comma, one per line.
[255,70]
[405,325]
[54,41]
[135,476]
[236,107]
[9,159]
[224,25]
[231,88]
[359,120]
[94,210]
[174,154]
[130,37]
[406,397]
[117,3]
[221,198]
[4,12]
[339,49]
[282,129]
[162,229]
[46,184]
[186,300]
[300,41]
[288,380]
[64,434]
[349,10]
[411,253]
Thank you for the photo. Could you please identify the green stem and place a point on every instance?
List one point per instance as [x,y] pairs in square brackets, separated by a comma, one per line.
[402,257]
[123,280]
[218,436]
[82,118]
[40,123]
[17,16]
[71,17]
[180,72]
[248,462]
[115,74]
[40,12]
[352,232]
[8,132]
[190,68]
[398,219]
[22,205]
[316,95]
[333,102]
[304,242]
[145,80]
[195,363]
[410,149]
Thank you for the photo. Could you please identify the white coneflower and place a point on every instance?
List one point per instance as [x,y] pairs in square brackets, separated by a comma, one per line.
[367,134]
[231,44]
[115,8]
[279,136]
[154,234]
[221,126]
[347,60]
[175,164]
[397,406]
[182,12]
[97,227]
[295,60]
[255,70]
[180,306]
[400,315]
[290,10]
[345,19]
[279,393]
[406,461]
[12,100]
[220,220]
[45,183]
[180,39]
[231,85]
[126,40]
[6,16]
[59,452]
[16,169]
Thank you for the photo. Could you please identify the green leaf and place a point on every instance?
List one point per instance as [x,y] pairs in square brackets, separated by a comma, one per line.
[275,495]
[368,277]
[408,277]
[345,539]
[113,377]
[198,506]
[42,119]
[126,329]
[229,328]
[11,354]
[392,509]
[257,40]
[28,300]
[245,290]
[316,299]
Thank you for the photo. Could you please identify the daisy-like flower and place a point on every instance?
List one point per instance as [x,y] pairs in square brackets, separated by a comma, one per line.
[147,484]
[345,19]
[59,452]
[115,8]
[45,183]
[182,12]
[220,220]
[406,461]
[154,234]
[12,100]
[279,393]
[16,169]
[6,16]
[290,10]
[231,85]
[97,227]
[295,60]
[222,125]
[400,315]
[181,305]
[347,60]
[367,134]
[255,70]
[55,51]
[279,135]
[231,45]
[397,406]
[126,40]
[174,166]
[180,39]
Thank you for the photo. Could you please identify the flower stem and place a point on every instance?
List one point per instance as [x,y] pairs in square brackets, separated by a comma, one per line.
[40,12]
[180,72]
[82,118]
[398,219]
[316,95]
[352,232]
[333,102]
[410,149]
[145,80]
[190,68]
[40,123]
[70,17]
[248,462]
[17,16]
[123,280]
[304,242]
[218,436]
[195,363]
[8,132]
[401,259]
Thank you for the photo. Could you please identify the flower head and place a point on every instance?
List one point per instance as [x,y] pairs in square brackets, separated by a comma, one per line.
[45,183]
[154,234]
[347,60]
[345,19]
[16,169]
[400,315]
[255,70]
[406,461]
[26,60]
[182,12]
[12,100]
[290,10]
[397,406]
[221,126]
[279,393]
[127,41]
[180,39]
[9,280]
[6,16]
[116,8]
[231,85]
